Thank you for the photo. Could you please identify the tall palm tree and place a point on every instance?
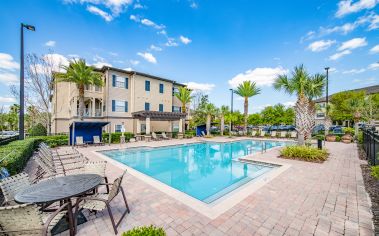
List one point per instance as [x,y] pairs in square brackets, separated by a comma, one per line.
[79,73]
[209,110]
[223,111]
[184,97]
[246,90]
[306,88]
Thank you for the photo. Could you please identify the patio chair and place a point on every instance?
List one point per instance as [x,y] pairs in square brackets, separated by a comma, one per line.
[100,202]
[203,134]
[27,219]
[283,134]
[80,142]
[253,133]
[273,134]
[96,140]
[11,185]
[132,140]
[293,134]
[263,133]
[164,136]
[154,136]
[240,133]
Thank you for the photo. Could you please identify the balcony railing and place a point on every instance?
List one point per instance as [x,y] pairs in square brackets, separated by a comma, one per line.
[98,113]
[88,113]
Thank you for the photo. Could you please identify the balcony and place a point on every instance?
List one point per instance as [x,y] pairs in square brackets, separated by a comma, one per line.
[88,113]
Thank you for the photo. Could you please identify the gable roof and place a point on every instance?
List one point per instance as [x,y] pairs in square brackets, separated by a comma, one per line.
[369,90]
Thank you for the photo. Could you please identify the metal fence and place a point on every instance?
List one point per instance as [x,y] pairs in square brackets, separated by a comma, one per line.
[371,145]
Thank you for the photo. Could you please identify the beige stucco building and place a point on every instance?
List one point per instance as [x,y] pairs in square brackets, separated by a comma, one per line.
[128,98]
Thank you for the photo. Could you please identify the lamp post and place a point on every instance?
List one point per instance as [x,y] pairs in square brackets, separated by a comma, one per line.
[326,101]
[231,111]
[22,98]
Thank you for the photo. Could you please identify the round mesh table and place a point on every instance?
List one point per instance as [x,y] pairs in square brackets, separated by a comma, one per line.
[59,189]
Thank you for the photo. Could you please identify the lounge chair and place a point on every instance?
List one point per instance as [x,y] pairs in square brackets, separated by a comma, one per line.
[154,136]
[293,134]
[273,134]
[11,185]
[263,133]
[80,142]
[100,202]
[96,140]
[283,134]
[27,219]
[240,133]
[164,136]
[203,134]
[254,133]
[132,140]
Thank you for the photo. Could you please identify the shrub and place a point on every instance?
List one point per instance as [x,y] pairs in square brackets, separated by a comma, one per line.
[145,231]
[115,137]
[53,141]
[190,132]
[304,153]
[338,138]
[17,153]
[38,130]
[320,137]
[360,137]
[375,172]
[349,130]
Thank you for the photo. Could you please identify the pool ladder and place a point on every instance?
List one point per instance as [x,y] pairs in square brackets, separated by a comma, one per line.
[263,149]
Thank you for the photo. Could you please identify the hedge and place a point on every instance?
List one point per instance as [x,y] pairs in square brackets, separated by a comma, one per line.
[304,153]
[53,141]
[115,137]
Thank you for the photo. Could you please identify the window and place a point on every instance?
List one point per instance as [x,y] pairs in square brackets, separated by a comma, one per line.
[120,82]
[161,107]
[161,88]
[119,106]
[176,109]
[147,106]
[175,90]
[147,85]
[97,88]
[117,128]
[320,115]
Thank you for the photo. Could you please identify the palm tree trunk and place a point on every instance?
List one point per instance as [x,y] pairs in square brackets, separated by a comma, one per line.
[222,125]
[246,107]
[208,125]
[184,110]
[81,101]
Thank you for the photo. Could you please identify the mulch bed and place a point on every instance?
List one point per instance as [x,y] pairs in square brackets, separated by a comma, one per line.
[372,187]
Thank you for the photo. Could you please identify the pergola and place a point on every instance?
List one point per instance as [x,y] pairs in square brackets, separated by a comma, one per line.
[157,116]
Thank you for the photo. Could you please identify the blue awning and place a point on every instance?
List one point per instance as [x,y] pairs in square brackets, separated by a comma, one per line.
[87,130]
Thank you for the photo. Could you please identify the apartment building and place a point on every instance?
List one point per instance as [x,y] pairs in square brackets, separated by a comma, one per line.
[138,101]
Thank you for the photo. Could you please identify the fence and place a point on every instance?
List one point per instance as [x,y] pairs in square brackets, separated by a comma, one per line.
[371,145]
[7,140]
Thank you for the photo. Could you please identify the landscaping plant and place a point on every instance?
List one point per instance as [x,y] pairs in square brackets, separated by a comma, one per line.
[145,231]
[38,130]
[305,153]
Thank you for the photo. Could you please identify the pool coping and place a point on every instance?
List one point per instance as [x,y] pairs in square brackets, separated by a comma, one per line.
[219,206]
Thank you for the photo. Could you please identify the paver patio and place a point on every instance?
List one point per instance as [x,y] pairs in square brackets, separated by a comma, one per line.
[306,199]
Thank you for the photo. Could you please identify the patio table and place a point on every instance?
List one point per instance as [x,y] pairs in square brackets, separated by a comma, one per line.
[60,189]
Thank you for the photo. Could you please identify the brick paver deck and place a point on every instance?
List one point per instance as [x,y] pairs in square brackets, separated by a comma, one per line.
[307,199]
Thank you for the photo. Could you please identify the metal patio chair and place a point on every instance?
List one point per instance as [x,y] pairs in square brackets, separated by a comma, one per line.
[11,185]
[100,202]
[27,219]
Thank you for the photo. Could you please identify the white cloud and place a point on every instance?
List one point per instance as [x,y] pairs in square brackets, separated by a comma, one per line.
[148,57]
[97,11]
[7,62]
[128,69]
[184,40]
[8,78]
[375,49]
[321,45]
[343,29]
[155,48]
[352,44]
[171,43]
[354,71]
[333,70]
[374,66]
[289,104]
[204,87]
[194,5]
[368,81]
[50,43]
[134,62]
[262,76]
[115,6]
[134,18]
[138,6]
[163,32]
[346,7]
[100,64]
[338,55]
[150,23]
[57,60]
[7,99]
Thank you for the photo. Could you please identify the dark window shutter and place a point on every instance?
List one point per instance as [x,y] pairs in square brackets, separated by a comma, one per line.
[147,85]
[180,109]
[126,106]
[114,80]
[172,108]
[161,88]
[126,83]
[161,107]
[113,105]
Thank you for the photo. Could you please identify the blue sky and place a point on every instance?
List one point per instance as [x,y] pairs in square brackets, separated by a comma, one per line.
[212,45]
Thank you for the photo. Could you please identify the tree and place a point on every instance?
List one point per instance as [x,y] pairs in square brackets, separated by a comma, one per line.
[246,90]
[255,119]
[184,97]
[80,74]
[223,111]
[209,110]
[12,117]
[356,107]
[306,88]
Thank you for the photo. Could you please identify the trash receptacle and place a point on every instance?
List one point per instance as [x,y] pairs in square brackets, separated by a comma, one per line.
[319,144]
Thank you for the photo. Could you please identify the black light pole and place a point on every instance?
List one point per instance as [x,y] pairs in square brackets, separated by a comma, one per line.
[326,100]
[231,111]
[22,99]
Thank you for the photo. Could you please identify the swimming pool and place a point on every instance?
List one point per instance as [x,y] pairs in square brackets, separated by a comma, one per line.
[205,171]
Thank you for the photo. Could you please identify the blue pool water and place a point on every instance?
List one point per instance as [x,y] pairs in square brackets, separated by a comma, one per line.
[205,171]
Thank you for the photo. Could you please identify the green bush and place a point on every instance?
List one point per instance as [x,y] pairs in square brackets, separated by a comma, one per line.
[304,153]
[338,138]
[320,137]
[360,137]
[349,130]
[145,231]
[16,154]
[190,132]
[375,172]
[115,137]
[53,141]
[38,130]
